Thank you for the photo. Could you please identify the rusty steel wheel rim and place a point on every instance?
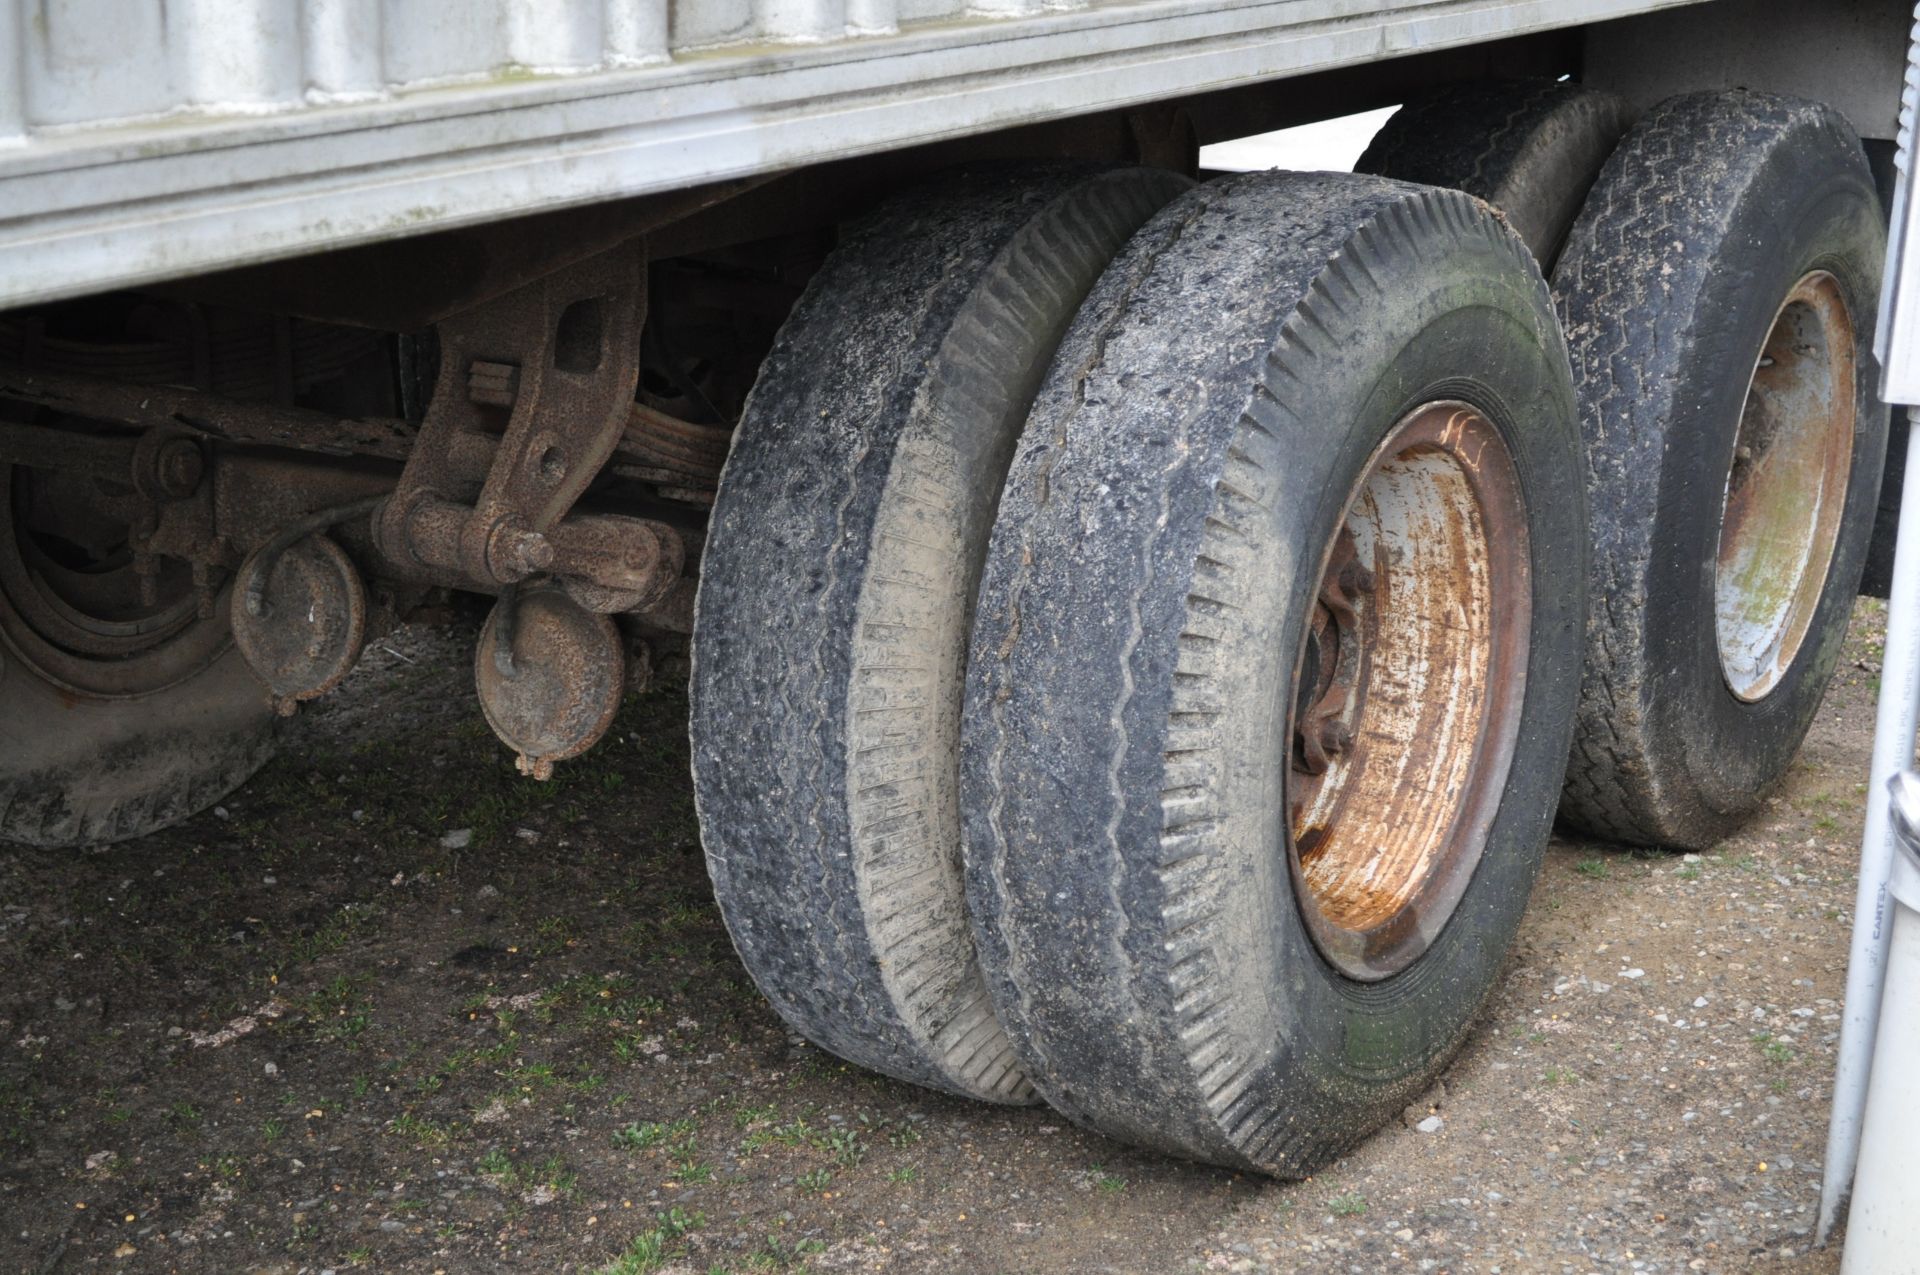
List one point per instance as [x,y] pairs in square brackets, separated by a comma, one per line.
[83,625]
[1786,488]
[1407,690]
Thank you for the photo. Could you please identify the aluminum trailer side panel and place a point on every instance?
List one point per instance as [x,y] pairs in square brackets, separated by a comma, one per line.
[142,141]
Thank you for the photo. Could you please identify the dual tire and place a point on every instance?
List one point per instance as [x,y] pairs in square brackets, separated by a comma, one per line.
[1276,430]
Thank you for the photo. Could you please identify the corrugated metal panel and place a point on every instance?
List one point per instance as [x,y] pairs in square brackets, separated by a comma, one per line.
[153,140]
[104,61]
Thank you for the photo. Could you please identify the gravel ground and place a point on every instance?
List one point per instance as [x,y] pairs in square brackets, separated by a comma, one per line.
[393,1008]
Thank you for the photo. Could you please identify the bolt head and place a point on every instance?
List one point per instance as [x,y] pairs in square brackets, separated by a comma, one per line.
[179,467]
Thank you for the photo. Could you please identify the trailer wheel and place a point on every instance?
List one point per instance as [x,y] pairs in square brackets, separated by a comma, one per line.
[836,591]
[1278,637]
[1718,295]
[119,714]
[1531,148]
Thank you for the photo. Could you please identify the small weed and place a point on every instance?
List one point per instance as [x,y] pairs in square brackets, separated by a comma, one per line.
[814,1180]
[904,1175]
[1108,1182]
[1595,868]
[651,1133]
[1559,1076]
[1689,872]
[844,1146]
[1351,1204]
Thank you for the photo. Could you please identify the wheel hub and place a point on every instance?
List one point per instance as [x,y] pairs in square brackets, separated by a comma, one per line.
[1786,488]
[1408,689]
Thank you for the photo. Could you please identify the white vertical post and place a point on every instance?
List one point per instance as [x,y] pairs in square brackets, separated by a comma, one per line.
[1880,1224]
[1893,740]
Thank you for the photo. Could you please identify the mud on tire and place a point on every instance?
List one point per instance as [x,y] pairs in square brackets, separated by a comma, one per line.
[1718,296]
[836,592]
[1168,968]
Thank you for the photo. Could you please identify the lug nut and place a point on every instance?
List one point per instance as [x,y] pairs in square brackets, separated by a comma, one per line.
[1335,737]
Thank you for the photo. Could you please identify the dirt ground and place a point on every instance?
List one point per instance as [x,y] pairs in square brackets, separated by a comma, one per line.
[393,1008]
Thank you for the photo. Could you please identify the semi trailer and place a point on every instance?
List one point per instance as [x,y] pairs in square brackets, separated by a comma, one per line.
[1145,621]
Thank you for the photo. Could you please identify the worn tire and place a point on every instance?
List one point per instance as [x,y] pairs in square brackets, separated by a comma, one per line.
[82,770]
[1709,213]
[1531,148]
[835,596]
[1156,551]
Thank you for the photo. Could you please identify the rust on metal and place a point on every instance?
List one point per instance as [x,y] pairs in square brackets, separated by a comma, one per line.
[1408,689]
[299,617]
[568,347]
[653,446]
[678,454]
[1786,488]
[211,416]
[550,674]
[144,526]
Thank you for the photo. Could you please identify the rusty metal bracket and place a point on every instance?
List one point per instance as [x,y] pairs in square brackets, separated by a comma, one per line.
[550,369]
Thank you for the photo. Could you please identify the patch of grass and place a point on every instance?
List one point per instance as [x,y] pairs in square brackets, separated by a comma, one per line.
[794,1133]
[421,1131]
[814,1180]
[508,1176]
[904,1174]
[1348,1204]
[1559,1076]
[1689,872]
[651,1133]
[648,1251]
[1108,1182]
[1595,868]
[748,1115]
